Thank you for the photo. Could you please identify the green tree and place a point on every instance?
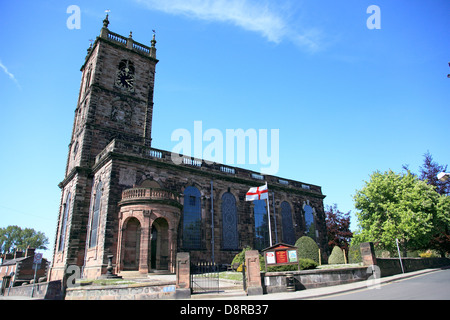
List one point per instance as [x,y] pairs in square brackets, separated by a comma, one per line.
[400,206]
[14,237]
[441,235]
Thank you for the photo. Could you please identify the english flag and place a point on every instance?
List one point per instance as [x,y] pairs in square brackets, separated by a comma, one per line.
[257,193]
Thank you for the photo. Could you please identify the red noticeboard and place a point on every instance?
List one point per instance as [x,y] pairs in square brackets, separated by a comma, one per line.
[280,254]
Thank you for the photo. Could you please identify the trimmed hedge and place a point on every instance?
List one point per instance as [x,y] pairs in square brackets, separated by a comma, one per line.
[337,256]
[307,248]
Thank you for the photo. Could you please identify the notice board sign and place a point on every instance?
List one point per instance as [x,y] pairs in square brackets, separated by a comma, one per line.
[280,254]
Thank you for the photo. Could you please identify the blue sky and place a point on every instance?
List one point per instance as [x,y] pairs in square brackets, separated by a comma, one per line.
[347,100]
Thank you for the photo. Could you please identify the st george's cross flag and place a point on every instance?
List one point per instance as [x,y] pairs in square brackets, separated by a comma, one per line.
[257,193]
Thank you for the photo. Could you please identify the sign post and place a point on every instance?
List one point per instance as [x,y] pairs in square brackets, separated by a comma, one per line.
[37,260]
[399,256]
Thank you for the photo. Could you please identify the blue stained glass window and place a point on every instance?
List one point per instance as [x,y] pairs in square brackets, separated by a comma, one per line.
[229,222]
[286,223]
[192,219]
[309,222]
[261,225]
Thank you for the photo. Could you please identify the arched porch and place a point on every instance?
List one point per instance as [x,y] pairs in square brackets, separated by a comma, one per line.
[148,223]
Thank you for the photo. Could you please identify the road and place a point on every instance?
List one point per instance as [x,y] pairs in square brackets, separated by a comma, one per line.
[429,286]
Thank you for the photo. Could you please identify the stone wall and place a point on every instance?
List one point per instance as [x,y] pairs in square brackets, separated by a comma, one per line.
[391,266]
[124,292]
[307,279]
[43,290]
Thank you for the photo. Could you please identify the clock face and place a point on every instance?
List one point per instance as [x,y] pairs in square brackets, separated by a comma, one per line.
[125,79]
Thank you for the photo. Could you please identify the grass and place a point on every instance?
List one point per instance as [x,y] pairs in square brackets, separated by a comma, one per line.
[231,275]
[339,266]
[104,282]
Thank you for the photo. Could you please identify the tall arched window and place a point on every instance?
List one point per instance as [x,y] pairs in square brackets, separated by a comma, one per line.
[88,78]
[192,219]
[95,216]
[229,222]
[310,228]
[62,233]
[286,223]
[261,225]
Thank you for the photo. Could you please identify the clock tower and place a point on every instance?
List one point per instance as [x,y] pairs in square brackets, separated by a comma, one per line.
[115,102]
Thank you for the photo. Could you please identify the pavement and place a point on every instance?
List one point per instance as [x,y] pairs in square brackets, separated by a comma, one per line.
[230,290]
[315,293]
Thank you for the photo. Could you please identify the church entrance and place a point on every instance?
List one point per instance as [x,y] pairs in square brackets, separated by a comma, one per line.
[159,245]
[131,245]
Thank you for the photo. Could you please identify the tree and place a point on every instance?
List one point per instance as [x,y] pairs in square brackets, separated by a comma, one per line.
[338,227]
[398,206]
[441,236]
[429,172]
[14,237]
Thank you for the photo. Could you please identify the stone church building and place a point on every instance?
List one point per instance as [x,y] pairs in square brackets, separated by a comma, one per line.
[122,197]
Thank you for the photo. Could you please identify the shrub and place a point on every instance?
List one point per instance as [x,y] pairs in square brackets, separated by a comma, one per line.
[240,258]
[304,264]
[354,254]
[337,256]
[307,248]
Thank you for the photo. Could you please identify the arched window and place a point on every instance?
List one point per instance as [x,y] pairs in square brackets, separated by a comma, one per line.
[88,78]
[95,216]
[62,233]
[310,229]
[229,222]
[261,225]
[286,223]
[192,219]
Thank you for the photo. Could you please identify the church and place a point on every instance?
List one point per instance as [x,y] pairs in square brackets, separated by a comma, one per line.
[121,197]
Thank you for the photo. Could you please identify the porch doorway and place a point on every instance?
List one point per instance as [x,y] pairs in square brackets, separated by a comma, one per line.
[132,245]
[159,245]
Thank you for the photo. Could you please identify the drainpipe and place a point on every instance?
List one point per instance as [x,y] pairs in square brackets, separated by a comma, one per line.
[274,217]
[212,223]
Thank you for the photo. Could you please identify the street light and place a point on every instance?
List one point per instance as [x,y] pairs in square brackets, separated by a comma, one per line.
[443,176]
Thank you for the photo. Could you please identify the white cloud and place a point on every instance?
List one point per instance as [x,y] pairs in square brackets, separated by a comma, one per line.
[9,74]
[263,17]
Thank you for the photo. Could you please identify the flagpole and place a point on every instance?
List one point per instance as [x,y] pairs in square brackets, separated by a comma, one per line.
[268,215]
